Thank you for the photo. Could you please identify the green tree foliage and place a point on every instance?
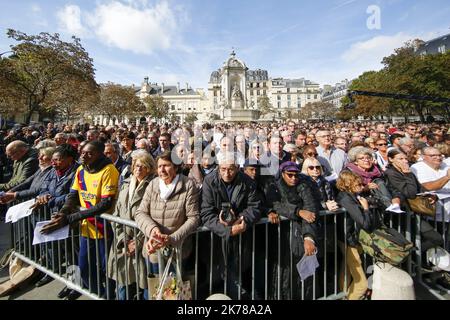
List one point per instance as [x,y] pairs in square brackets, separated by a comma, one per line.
[157,107]
[317,110]
[117,101]
[41,68]
[190,118]
[404,72]
[264,105]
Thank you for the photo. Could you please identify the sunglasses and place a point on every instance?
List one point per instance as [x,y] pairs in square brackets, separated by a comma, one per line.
[381,144]
[314,167]
[312,154]
[292,175]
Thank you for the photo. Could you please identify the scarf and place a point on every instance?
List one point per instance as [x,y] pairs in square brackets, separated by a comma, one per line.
[165,191]
[367,176]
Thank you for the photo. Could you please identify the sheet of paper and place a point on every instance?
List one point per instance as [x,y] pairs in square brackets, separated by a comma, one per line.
[331,177]
[395,208]
[19,211]
[59,234]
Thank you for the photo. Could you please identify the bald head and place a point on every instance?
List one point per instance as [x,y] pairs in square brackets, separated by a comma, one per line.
[16,150]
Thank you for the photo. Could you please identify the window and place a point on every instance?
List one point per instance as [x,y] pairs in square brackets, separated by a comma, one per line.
[288,90]
[264,92]
[279,104]
[257,84]
[257,92]
[251,92]
[278,97]
[289,97]
[264,85]
[215,93]
[172,107]
[299,104]
[315,96]
[309,96]
[289,103]
[441,49]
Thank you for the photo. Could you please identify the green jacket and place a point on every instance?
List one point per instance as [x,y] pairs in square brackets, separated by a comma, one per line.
[22,169]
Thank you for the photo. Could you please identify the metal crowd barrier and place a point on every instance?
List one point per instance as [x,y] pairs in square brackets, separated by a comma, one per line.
[268,252]
[59,259]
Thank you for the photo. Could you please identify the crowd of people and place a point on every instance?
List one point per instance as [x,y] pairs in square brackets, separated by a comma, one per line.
[172,178]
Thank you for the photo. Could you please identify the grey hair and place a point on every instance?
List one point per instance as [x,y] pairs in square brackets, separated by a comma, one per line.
[405,140]
[354,152]
[115,146]
[45,144]
[226,158]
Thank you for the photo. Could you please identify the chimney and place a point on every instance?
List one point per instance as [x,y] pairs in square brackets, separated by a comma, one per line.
[146,80]
[162,87]
[187,87]
[178,87]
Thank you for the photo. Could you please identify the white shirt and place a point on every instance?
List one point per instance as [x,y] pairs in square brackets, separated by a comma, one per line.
[424,174]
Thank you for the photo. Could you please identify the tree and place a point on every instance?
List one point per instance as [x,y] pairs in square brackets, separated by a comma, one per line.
[317,110]
[265,106]
[191,118]
[157,107]
[117,101]
[40,69]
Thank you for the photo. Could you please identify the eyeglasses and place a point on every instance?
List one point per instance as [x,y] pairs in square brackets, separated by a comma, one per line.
[324,136]
[433,155]
[315,167]
[381,144]
[312,154]
[364,158]
[291,175]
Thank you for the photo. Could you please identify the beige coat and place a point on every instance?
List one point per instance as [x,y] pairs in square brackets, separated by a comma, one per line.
[177,217]
[126,208]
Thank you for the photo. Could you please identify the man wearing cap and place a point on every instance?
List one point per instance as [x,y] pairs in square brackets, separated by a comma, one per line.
[230,206]
[293,198]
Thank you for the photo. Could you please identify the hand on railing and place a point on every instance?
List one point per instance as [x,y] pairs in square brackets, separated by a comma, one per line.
[309,246]
[157,241]
[7,197]
[273,218]
[308,216]
[58,221]
[41,201]
[238,226]
[332,205]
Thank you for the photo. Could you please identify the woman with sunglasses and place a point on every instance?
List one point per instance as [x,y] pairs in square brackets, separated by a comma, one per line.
[382,154]
[312,168]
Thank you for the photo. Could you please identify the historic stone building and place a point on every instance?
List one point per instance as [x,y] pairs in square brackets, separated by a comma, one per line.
[235,80]
[182,100]
[334,94]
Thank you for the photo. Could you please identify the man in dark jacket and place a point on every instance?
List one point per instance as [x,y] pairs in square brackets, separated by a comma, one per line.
[230,207]
[26,163]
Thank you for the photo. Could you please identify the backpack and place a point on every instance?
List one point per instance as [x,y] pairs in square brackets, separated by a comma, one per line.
[385,245]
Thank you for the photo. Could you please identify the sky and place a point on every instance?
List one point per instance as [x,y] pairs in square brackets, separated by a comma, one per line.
[171,41]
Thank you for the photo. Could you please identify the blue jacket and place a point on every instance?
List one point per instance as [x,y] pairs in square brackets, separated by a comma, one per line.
[58,187]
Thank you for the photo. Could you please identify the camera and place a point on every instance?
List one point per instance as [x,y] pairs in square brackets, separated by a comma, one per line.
[227,214]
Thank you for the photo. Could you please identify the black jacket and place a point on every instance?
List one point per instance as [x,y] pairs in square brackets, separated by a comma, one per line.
[244,202]
[357,218]
[402,185]
[287,201]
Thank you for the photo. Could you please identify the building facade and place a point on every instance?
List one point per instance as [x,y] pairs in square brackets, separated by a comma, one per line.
[334,94]
[434,46]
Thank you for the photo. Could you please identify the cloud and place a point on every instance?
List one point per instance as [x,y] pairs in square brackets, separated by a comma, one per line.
[373,50]
[35,8]
[133,25]
[69,20]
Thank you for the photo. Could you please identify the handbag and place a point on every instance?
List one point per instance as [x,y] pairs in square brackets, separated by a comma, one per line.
[170,286]
[422,205]
[19,273]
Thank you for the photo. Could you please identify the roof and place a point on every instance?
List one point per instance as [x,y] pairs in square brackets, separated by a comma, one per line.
[432,46]
[171,91]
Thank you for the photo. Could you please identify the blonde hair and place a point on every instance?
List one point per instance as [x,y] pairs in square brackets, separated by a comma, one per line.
[49,151]
[310,162]
[146,160]
[348,181]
